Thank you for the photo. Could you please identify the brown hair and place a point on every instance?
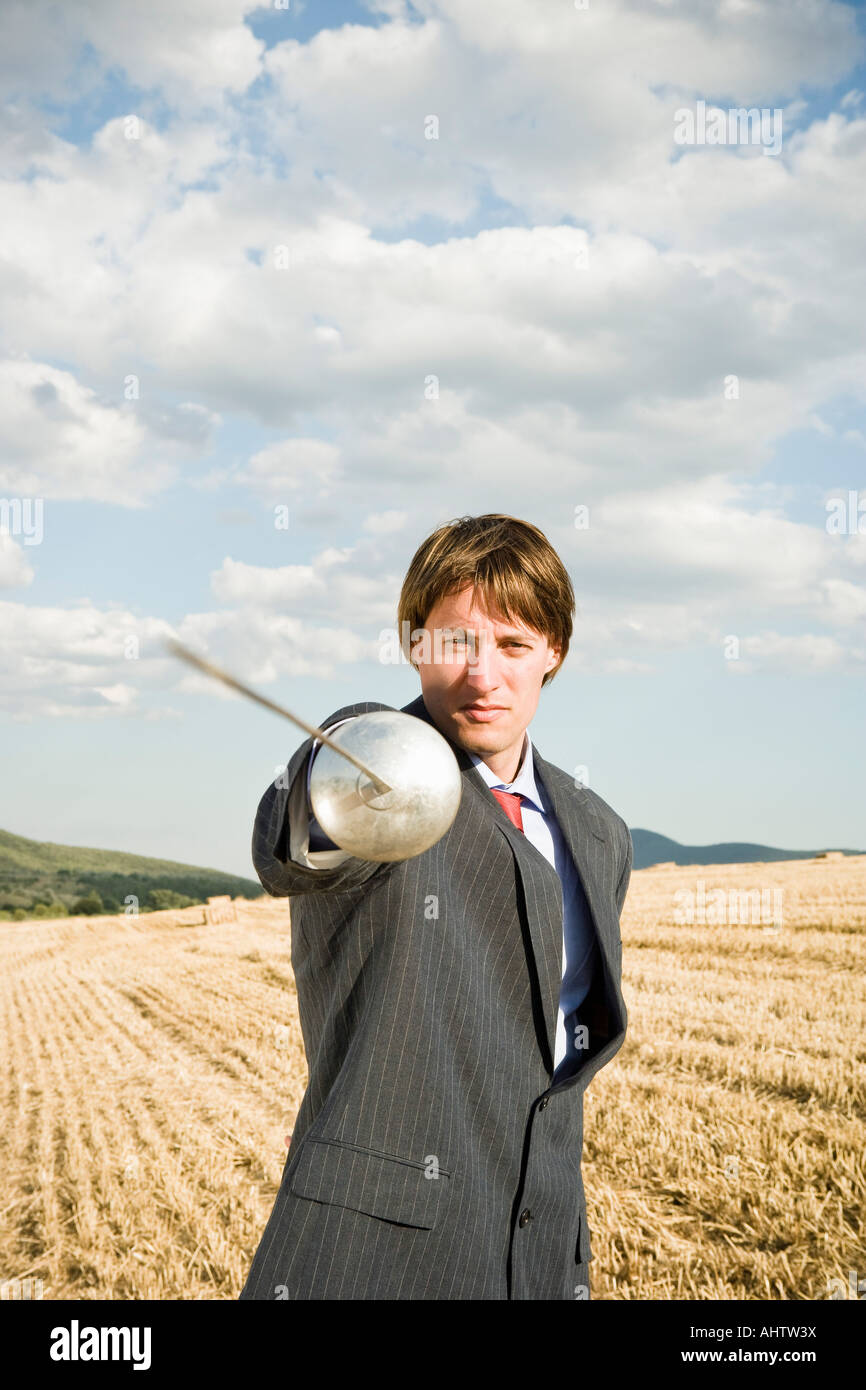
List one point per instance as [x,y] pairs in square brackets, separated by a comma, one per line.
[510,562]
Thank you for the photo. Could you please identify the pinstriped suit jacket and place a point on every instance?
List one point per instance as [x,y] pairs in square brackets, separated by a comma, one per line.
[431,1157]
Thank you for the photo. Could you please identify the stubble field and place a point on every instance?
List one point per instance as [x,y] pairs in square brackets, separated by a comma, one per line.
[152,1068]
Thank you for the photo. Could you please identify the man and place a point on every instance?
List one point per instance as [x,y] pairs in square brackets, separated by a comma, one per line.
[455,1005]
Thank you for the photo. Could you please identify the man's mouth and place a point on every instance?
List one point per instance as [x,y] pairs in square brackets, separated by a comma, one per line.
[483,714]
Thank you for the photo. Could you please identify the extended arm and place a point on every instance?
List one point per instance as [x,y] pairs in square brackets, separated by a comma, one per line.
[281,834]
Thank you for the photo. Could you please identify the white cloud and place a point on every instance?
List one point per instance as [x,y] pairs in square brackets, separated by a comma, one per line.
[178,45]
[845,602]
[60,440]
[573,364]
[548,107]
[346,585]
[88,663]
[805,653]
[15,572]
[384,523]
[70,661]
[260,647]
[292,466]
[121,695]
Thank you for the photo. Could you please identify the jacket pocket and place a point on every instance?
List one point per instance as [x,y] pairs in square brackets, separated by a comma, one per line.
[377,1184]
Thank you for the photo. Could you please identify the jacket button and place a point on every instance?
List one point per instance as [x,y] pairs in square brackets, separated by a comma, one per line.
[525,1215]
[543,1104]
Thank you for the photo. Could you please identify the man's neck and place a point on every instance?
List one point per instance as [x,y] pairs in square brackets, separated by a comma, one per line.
[506,765]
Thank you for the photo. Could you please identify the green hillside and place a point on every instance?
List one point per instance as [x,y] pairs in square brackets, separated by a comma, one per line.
[46,880]
[652,848]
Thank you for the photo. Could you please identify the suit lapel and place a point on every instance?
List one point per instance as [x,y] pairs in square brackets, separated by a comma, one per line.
[588,844]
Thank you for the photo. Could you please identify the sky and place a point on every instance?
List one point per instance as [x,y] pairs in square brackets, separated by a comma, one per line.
[285,287]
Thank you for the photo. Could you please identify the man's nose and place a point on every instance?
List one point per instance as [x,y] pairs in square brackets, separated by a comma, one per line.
[481,665]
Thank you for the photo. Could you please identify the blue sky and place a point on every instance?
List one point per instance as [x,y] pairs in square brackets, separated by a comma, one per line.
[582,289]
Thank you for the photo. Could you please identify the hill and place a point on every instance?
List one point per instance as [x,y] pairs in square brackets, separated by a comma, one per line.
[650,848]
[41,879]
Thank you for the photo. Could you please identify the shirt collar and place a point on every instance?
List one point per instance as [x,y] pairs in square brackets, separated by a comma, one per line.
[524,782]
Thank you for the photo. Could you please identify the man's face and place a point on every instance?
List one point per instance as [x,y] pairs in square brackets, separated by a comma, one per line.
[472,661]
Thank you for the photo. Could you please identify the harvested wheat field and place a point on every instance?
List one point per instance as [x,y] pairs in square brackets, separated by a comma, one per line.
[153,1066]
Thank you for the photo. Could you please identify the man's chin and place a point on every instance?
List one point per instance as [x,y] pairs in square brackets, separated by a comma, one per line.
[472,737]
[478,738]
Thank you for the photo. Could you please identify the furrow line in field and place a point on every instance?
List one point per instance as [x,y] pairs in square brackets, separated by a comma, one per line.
[121,1131]
[76,1158]
[44,1182]
[186,1118]
[23,1219]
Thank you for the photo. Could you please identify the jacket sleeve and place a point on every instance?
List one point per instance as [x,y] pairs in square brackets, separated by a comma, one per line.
[280,842]
[622,886]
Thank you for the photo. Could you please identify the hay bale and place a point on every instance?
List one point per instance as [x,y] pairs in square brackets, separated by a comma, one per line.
[221,909]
